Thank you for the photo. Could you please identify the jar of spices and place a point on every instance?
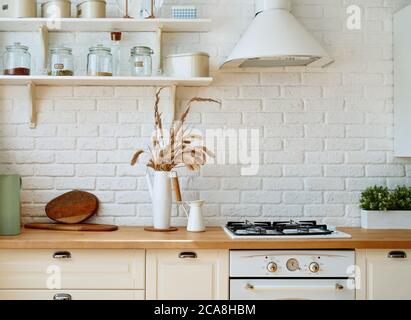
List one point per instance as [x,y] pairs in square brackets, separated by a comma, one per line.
[100,62]
[17,60]
[141,61]
[61,62]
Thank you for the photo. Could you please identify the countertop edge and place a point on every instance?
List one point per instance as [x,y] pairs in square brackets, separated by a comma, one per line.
[215,238]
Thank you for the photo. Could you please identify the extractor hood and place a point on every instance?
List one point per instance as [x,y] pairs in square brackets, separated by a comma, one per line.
[276,38]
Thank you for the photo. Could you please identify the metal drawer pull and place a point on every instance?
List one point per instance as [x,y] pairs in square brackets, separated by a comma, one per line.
[187,255]
[62,255]
[62,297]
[337,287]
[397,255]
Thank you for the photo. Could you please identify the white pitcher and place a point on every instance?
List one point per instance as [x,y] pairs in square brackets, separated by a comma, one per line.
[160,192]
[195,217]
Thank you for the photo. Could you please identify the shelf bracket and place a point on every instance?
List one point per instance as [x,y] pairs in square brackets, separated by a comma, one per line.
[173,101]
[33,108]
[159,51]
[44,41]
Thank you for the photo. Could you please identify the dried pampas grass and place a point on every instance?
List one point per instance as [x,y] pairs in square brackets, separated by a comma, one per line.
[180,150]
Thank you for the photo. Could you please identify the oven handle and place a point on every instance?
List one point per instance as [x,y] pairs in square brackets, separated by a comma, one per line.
[251,287]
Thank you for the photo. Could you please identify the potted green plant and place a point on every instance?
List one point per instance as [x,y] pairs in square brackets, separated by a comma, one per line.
[385,209]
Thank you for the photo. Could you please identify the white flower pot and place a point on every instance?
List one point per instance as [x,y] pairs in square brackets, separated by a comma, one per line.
[385,219]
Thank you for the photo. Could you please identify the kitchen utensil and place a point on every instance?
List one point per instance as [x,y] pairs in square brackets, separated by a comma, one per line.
[176,187]
[141,62]
[91,9]
[56,9]
[17,60]
[188,65]
[71,227]
[116,52]
[10,205]
[150,8]
[195,216]
[17,8]
[160,192]
[72,207]
[129,8]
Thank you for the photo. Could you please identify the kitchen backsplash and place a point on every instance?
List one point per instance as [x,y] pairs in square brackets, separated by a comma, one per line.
[325,135]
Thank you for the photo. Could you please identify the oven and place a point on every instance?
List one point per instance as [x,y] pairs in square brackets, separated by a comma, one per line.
[292,275]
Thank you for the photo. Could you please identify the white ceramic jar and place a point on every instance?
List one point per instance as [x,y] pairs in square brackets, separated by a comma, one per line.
[91,9]
[18,8]
[56,9]
[188,65]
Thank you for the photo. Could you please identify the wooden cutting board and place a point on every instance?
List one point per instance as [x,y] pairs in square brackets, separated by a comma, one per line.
[71,227]
[72,207]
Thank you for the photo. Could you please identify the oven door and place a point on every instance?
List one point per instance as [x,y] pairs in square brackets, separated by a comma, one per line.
[292,289]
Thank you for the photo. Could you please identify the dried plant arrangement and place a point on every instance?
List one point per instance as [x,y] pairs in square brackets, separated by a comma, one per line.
[178,147]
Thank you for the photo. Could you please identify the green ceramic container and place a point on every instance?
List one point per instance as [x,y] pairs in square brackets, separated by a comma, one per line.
[10,186]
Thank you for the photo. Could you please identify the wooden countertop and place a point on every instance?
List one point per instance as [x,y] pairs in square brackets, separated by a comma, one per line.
[214,238]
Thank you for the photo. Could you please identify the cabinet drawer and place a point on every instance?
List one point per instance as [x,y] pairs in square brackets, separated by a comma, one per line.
[388,274]
[72,294]
[187,275]
[77,269]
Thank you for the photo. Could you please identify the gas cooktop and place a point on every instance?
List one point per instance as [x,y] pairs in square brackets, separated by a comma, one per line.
[286,229]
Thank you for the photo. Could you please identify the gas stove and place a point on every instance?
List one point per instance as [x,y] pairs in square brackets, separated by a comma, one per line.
[285,229]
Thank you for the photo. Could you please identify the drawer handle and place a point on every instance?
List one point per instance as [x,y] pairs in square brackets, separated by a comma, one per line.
[62,297]
[187,255]
[62,255]
[397,255]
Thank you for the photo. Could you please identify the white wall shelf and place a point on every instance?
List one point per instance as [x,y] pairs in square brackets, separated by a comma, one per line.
[104,81]
[104,25]
[159,26]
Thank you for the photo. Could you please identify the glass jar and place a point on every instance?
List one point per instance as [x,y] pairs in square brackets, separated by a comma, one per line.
[141,61]
[100,62]
[61,62]
[17,60]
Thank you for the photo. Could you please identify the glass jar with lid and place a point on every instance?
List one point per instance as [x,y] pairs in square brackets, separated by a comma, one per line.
[17,60]
[100,61]
[141,61]
[61,62]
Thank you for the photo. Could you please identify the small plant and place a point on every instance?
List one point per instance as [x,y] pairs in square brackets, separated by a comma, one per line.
[376,199]
[381,199]
[401,198]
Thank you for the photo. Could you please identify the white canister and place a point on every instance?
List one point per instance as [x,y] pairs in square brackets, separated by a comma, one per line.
[188,65]
[91,9]
[18,8]
[56,9]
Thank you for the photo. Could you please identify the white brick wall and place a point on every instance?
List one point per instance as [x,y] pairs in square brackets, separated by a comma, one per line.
[326,134]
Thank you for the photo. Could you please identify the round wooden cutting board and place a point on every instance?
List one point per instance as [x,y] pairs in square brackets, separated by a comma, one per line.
[72,207]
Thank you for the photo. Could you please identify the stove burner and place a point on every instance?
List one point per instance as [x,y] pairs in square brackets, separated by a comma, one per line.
[284,228]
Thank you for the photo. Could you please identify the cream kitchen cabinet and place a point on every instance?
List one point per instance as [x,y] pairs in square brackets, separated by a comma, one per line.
[79,274]
[187,275]
[72,294]
[384,274]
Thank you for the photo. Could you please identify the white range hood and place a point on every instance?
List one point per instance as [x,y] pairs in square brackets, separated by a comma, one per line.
[276,39]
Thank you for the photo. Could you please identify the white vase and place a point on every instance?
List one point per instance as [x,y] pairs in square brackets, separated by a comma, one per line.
[161,196]
[387,220]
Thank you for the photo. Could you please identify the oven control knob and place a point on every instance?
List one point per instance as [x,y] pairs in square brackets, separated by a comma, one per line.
[314,267]
[272,267]
[293,265]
